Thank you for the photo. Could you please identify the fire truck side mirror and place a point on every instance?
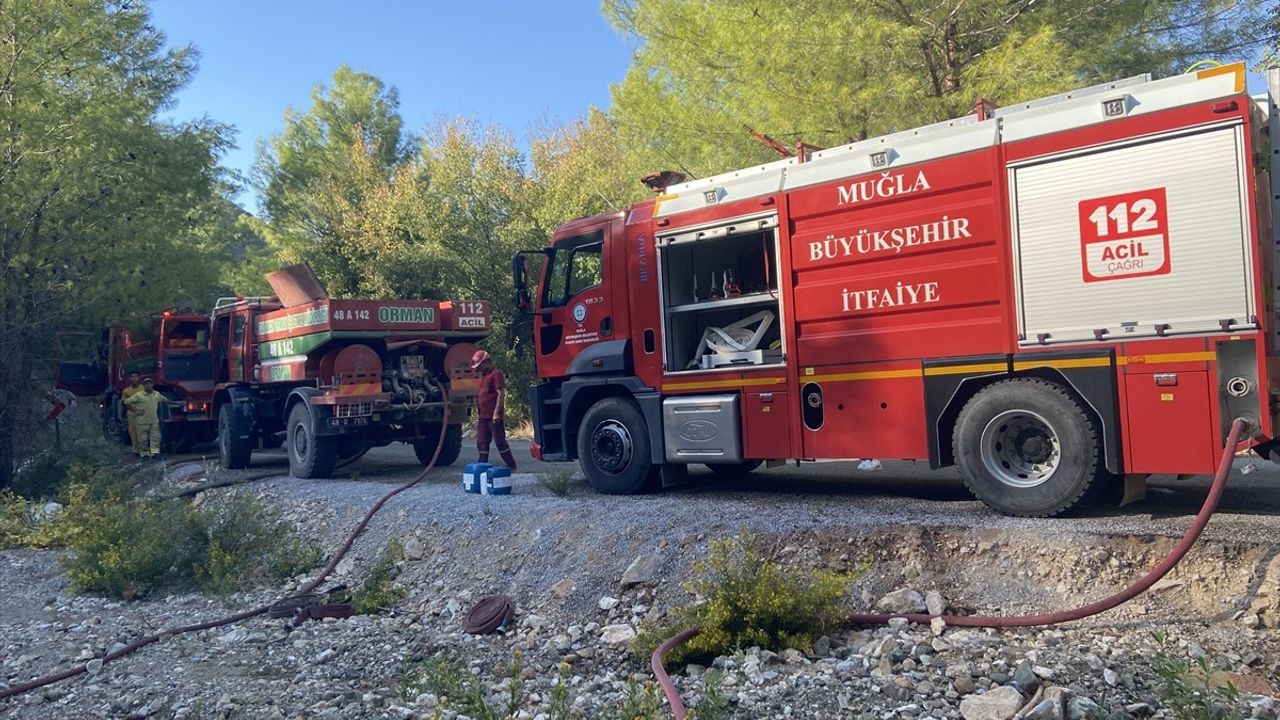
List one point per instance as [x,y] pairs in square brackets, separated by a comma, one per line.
[519,272]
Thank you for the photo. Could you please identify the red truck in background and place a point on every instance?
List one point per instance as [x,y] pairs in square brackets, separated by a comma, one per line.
[175,354]
[1057,297]
[330,378]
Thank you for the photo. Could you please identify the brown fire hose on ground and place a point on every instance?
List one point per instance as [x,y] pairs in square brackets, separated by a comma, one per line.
[287,602]
[1017,621]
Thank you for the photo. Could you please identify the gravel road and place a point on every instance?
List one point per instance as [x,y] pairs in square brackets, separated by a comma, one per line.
[900,494]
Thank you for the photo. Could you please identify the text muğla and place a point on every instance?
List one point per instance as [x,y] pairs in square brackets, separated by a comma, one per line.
[886,186]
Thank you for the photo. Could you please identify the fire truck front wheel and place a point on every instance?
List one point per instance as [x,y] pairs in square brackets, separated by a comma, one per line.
[613,448]
[1027,448]
[233,451]
[310,455]
[114,426]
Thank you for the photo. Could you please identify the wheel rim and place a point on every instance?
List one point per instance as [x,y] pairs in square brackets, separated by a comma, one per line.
[611,447]
[300,442]
[1020,449]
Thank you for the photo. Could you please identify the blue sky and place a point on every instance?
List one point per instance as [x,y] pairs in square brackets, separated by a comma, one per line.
[511,62]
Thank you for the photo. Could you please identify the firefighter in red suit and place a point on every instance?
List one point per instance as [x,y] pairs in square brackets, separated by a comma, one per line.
[493,385]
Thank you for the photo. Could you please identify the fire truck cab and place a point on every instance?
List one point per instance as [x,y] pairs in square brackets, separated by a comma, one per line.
[1054,296]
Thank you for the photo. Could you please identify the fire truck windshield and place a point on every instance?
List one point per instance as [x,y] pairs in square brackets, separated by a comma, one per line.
[186,350]
[574,266]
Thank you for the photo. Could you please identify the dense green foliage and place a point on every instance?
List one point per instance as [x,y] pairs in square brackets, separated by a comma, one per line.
[99,199]
[831,72]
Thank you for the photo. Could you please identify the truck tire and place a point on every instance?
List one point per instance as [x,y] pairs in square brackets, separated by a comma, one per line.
[1027,448]
[729,471]
[425,447]
[114,429]
[310,455]
[613,448]
[233,451]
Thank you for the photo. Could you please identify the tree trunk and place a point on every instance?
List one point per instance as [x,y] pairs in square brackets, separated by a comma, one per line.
[950,58]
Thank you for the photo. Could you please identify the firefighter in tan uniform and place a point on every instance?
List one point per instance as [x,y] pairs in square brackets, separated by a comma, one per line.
[145,408]
[135,387]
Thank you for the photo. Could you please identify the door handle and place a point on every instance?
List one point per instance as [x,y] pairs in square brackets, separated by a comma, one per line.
[606,327]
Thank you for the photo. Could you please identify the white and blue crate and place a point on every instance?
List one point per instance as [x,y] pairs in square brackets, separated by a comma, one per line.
[485,479]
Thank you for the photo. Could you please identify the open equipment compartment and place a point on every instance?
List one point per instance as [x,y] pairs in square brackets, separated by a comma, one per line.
[720,296]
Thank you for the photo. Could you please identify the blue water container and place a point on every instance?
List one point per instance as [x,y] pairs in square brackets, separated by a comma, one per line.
[473,476]
[496,481]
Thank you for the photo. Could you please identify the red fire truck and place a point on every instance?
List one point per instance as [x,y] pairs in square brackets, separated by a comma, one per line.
[177,357]
[328,377]
[1055,296]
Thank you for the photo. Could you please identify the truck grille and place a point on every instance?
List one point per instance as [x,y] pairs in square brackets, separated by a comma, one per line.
[352,409]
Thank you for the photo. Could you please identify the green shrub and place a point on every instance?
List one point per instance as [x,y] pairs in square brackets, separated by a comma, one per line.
[557,482]
[293,556]
[125,546]
[379,593]
[1189,691]
[748,599]
[18,527]
[237,543]
[643,701]
[460,691]
[125,549]
[713,705]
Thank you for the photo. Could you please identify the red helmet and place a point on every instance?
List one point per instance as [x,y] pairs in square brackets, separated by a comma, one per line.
[478,358]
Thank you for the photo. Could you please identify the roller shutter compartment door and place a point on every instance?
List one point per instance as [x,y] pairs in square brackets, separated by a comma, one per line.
[1137,240]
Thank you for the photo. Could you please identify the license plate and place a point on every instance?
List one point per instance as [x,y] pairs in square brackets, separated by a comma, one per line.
[348,421]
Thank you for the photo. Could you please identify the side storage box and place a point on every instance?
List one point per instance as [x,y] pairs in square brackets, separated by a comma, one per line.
[1169,423]
[702,429]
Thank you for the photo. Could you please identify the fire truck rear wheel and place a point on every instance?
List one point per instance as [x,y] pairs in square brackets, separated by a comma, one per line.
[426,446]
[310,455]
[613,448]
[233,452]
[1027,448]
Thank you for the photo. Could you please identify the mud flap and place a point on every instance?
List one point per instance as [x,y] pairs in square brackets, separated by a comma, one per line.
[1135,488]
[1269,449]
[674,474]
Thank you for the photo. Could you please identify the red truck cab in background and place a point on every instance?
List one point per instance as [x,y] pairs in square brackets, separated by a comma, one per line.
[1054,296]
[176,355]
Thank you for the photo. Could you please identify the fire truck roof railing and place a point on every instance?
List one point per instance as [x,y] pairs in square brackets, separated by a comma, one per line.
[255,300]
